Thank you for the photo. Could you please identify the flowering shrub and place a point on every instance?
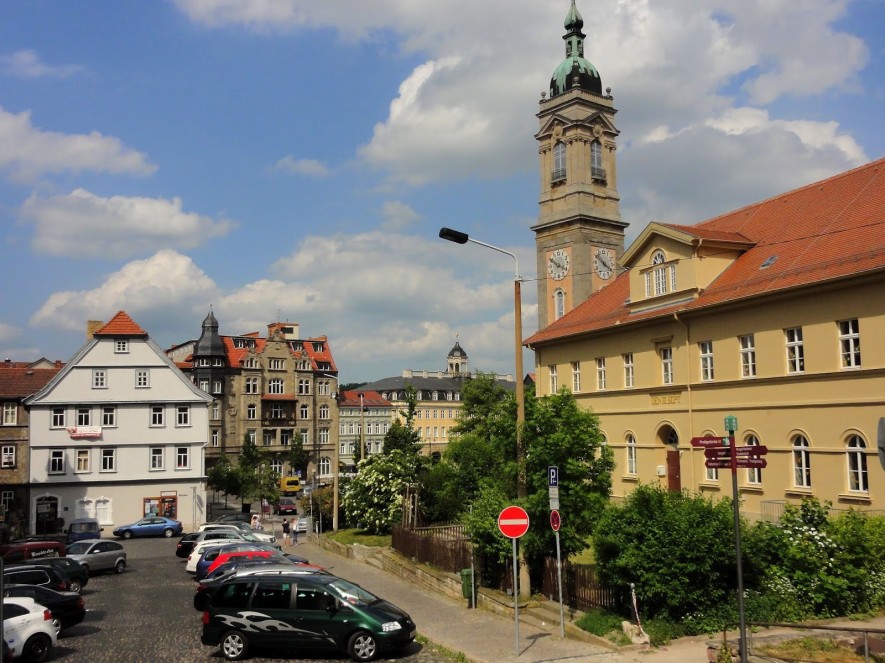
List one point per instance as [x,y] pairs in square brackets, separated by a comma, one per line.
[373,501]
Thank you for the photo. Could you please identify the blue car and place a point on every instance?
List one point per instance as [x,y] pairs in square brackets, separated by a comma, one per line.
[150,526]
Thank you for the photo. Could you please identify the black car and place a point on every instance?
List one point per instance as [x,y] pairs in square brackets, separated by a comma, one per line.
[293,612]
[67,607]
[78,574]
[44,576]
[186,544]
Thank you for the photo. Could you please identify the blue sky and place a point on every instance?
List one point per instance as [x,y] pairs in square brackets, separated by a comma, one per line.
[294,159]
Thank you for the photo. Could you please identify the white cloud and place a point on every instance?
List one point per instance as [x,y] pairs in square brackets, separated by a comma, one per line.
[27,64]
[397,215]
[310,167]
[116,227]
[27,152]
[7,332]
[162,290]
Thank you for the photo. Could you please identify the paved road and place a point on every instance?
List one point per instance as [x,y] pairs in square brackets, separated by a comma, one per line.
[146,615]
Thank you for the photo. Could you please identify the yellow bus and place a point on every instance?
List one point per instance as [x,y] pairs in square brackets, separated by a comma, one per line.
[290,485]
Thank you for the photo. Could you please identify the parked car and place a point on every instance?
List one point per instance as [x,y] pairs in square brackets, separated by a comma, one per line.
[98,555]
[67,607]
[210,555]
[234,517]
[29,628]
[300,525]
[287,505]
[240,527]
[215,538]
[185,545]
[83,528]
[302,611]
[18,551]
[237,568]
[45,576]
[78,575]
[150,526]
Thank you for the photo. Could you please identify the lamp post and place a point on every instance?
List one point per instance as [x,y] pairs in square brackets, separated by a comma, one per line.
[462,238]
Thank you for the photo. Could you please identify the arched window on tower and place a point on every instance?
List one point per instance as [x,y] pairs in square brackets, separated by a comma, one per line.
[559,302]
[558,162]
[597,170]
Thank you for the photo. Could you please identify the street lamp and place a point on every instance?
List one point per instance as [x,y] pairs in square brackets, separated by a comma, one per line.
[462,238]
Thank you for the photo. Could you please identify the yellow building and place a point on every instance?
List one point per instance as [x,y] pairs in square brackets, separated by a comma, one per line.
[758,314]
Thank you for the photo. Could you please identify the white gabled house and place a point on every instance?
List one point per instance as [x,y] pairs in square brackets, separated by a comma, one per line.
[117,434]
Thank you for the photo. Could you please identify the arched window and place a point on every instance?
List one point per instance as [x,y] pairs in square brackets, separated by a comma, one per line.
[559,301]
[325,466]
[858,480]
[597,171]
[801,462]
[558,162]
[324,411]
[251,411]
[631,454]
[754,474]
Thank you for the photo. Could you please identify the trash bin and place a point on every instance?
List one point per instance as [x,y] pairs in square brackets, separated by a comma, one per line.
[467,583]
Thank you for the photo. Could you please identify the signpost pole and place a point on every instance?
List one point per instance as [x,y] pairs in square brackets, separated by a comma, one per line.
[731,426]
[559,584]
[516,594]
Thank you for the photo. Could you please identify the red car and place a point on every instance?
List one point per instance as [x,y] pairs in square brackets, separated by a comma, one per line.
[247,554]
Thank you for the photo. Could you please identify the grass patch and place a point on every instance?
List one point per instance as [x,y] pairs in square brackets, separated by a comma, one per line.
[586,556]
[605,625]
[448,654]
[348,537]
[816,650]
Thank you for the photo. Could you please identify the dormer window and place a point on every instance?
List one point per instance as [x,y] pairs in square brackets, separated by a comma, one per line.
[661,279]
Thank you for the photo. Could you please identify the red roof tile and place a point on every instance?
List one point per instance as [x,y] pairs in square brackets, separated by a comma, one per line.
[18,382]
[351,398]
[821,232]
[121,325]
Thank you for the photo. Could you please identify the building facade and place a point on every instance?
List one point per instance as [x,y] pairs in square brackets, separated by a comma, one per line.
[17,381]
[364,418]
[272,389]
[117,434]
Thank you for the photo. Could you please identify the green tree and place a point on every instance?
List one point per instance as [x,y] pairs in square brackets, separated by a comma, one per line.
[254,475]
[298,457]
[402,436]
[224,477]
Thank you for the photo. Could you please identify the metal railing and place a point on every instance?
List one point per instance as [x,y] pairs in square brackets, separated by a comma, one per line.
[865,632]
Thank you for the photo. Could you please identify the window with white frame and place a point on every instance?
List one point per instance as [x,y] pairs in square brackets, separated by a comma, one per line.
[157,458]
[99,378]
[305,436]
[277,365]
[276,411]
[576,377]
[795,350]
[628,370]
[748,355]
[83,457]
[324,387]
[250,386]
[558,162]
[204,385]
[250,362]
[285,437]
[631,454]
[706,350]
[324,411]
[305,412]
[276,466]
[216,410]
[251,434]
[6,499]
[269,437]
[216,437]
[858,479]
[275,386]
[304,387]
[554,385]
[849,343]
[84,416]
[58,417]
[323,435]
[216,386]
[109,460]
[10,414]
[182,458]
[251,411]
[754,474]
[103,510]
[712,474]
[158,415]
[801,462]
[121,345]
[56,461]
[183,415]
[667,365]
[559,303]
[597,171]
[7,457]
[600,373]
[108,416]
[142,378]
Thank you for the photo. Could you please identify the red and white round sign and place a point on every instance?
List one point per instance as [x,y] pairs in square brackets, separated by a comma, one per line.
[555,520]
[513,522]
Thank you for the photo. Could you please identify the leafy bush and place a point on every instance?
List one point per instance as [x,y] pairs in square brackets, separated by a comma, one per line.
[599,622]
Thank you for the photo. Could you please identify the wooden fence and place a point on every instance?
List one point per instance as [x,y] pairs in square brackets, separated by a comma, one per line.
[444,547]
[581,588]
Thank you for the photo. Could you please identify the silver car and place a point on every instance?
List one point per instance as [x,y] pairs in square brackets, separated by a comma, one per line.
[97,555]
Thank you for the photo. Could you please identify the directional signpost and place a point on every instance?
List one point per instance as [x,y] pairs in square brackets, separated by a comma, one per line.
[513,522]
[555,524]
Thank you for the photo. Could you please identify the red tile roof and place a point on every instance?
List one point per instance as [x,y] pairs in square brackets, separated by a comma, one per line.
[121,325]
[18,382]
[236,355]
[351,398]
[822,232]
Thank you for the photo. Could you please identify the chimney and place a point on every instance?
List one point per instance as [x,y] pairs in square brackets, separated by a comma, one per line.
[92,326]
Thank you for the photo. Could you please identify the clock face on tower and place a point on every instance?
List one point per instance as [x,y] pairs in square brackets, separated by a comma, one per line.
[604,262]
[558,264]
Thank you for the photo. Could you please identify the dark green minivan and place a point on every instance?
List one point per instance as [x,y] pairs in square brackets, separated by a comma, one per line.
[286,611]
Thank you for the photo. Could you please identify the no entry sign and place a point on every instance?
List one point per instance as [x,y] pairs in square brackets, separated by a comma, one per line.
[513,522]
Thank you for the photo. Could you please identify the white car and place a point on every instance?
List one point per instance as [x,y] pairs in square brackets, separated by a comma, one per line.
[29,628]
[264,537]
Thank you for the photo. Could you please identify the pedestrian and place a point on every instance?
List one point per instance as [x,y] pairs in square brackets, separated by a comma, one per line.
[285,531]
[256,521]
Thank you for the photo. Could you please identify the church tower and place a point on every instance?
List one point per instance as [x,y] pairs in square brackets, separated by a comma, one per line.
[579,236]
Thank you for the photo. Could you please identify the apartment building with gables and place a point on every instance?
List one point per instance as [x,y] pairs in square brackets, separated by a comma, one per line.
[116,434]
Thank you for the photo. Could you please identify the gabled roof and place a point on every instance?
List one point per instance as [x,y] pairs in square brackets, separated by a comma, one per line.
[351,398]
[822,232]
[20,381]
[236,355]
[121,325]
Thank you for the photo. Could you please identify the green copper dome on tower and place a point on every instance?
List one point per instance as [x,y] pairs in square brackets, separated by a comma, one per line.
[574,71]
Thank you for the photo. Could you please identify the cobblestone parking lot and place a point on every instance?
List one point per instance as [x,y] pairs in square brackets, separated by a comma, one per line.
[146,614]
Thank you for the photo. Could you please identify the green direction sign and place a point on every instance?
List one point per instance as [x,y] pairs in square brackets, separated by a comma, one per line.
[731,424]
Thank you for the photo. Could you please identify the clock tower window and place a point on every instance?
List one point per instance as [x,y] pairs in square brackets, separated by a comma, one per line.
[559,297]
[559,162]
[597,170]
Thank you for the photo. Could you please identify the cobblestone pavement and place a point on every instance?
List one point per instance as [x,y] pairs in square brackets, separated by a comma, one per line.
[146,615]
